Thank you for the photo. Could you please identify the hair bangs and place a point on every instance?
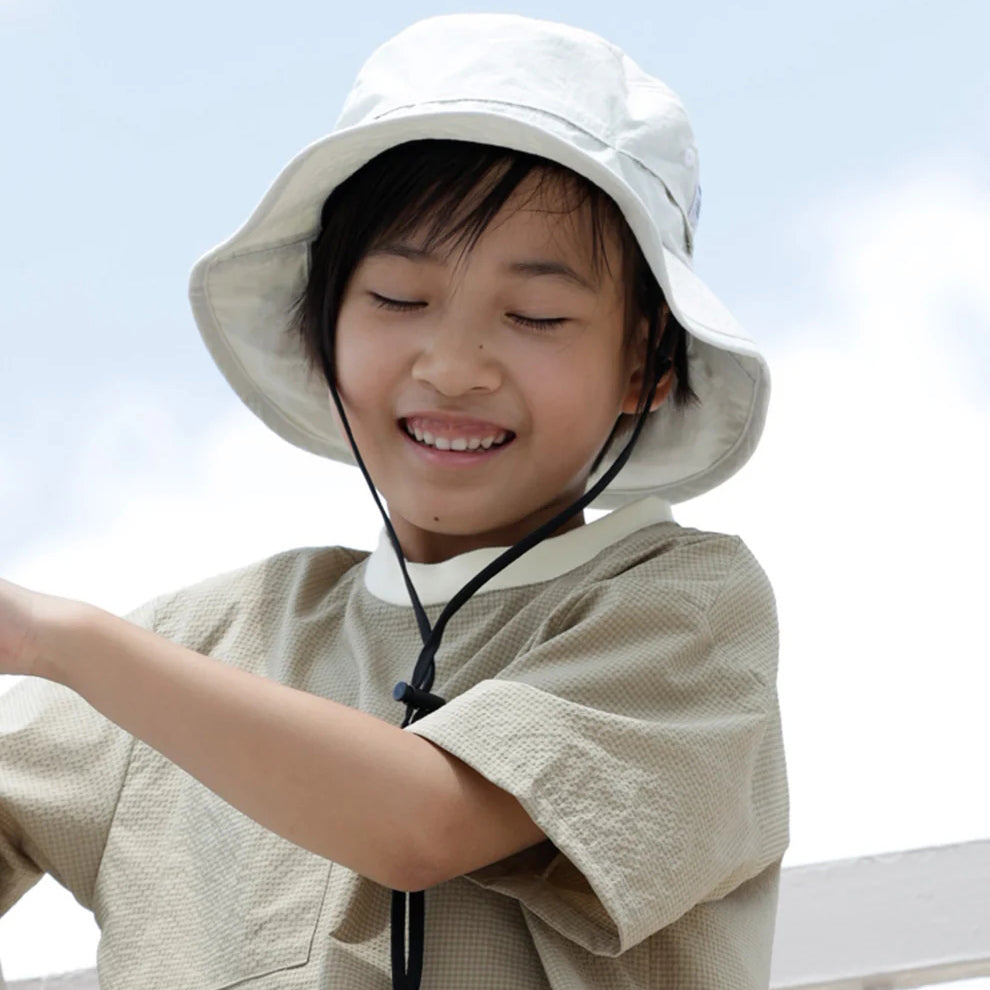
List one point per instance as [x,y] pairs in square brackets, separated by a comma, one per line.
[447,210]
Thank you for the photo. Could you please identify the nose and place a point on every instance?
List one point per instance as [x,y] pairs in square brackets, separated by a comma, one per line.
[456,359]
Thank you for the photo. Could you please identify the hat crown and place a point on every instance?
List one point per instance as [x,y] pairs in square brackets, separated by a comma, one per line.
[508,61]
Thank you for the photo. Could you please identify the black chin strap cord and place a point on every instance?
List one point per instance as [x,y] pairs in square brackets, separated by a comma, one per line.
[416,695]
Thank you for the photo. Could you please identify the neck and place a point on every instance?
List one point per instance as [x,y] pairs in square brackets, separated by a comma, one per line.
[422,546]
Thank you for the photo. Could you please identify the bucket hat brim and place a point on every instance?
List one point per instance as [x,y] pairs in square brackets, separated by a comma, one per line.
[243,293]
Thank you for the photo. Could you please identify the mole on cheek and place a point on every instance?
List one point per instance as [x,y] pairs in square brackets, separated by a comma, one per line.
[436,519]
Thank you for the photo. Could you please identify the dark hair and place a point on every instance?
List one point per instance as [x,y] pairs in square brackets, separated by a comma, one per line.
[426,185]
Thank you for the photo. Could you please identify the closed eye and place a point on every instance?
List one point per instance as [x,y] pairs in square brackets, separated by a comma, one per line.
[402,305]
[544,324]
[405,305]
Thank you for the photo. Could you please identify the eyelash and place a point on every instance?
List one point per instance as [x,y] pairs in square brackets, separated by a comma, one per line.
[398,305]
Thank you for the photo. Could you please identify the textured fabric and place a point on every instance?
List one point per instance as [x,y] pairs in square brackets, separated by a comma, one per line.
[629,704]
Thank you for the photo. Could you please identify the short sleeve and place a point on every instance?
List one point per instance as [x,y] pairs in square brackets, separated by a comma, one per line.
[62,765]
[642,735]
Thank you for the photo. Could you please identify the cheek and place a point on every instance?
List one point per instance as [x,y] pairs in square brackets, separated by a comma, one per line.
[577,406]
[359,361]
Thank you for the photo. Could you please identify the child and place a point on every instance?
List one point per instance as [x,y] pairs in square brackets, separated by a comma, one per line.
[481,279]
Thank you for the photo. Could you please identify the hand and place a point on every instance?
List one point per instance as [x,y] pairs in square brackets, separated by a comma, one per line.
[23,615]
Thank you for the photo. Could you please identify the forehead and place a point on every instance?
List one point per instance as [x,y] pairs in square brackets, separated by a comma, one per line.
[548,212]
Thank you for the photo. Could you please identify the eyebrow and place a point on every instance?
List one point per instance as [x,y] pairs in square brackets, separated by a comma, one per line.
[531,268]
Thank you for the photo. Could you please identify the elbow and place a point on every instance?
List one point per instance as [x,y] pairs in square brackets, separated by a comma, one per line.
[416,860]
[417,871]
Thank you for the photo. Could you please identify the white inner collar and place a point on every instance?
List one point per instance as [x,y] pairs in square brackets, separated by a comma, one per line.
[438,583]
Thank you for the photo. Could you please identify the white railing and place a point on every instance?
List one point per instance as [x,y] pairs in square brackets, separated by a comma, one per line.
[897,920]
[902,919]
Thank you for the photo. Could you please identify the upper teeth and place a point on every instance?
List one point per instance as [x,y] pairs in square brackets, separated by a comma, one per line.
[456,443]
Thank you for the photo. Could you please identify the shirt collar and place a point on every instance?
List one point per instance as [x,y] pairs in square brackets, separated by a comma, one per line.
[556,555]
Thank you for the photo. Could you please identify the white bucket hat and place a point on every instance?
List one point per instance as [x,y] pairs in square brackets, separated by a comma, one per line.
[534,86]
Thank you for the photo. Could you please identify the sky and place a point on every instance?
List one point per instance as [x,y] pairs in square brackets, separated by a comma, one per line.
[844,156]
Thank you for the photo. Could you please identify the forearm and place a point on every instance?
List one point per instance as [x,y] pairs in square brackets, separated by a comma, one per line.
[330,778]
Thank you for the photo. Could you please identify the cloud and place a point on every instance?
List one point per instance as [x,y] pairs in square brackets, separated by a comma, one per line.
[172,512]
[867,505]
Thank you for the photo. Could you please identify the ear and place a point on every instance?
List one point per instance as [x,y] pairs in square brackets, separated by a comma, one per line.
[630,401]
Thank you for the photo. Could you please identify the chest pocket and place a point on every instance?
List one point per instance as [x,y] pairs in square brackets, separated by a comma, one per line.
[195,894]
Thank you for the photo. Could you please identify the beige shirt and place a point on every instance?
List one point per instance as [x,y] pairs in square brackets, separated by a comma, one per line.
[619,681]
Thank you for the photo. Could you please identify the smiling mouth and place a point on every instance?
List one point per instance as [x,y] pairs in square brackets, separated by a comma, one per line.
[465,442]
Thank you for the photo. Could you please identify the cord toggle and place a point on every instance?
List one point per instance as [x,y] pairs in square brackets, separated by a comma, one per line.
[417,697]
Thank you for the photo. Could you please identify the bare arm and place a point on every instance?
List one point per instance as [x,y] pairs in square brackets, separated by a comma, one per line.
[344,784]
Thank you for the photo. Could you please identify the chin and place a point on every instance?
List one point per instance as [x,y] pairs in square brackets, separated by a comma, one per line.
[457,520]
[452,524]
